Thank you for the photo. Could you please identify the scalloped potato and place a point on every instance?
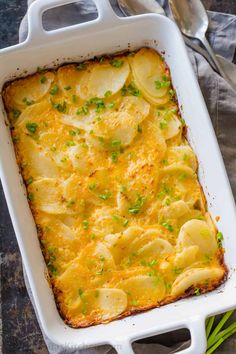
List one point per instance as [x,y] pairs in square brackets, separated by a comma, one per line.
[112,184]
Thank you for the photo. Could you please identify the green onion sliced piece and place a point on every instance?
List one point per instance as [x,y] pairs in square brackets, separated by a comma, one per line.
[31,127]
[116,63]
[54,90]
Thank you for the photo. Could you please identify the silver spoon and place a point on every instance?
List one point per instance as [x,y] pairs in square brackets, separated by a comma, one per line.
[192,19]
[137,7]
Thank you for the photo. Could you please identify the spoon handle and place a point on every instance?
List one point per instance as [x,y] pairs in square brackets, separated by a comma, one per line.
[199,50]
[213,57]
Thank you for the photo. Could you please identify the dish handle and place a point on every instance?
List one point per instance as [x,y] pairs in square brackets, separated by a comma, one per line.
[36,32]
[197,330]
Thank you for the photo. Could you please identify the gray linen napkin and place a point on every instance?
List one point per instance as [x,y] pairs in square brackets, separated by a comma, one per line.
[221,102]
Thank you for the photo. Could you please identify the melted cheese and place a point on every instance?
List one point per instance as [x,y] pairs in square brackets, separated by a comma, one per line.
[112,185]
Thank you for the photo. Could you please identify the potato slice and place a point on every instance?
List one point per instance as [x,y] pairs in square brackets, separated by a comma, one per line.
[65,231]
[69,79]
[75,277]
[47,195]
[38,161]
[196,277]
[97,258]
[135,106]
[175,210]
[118,126]
[148,68]
[104,223]
[33,113]
[132,233]
[79,158]
[182,153]
[27,91]
[101,78]
[120,244]
[143,239]
[178,168]
[155,248]
[197,232]
[143,289]
[110,302]
[102,303]
[171,128]
[186,257]
[82,121]
[74,193]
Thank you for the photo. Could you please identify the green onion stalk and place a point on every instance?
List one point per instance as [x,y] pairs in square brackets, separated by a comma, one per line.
[217,335]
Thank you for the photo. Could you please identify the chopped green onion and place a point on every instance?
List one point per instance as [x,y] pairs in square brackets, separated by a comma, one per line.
[60,107]
[31,127]
[30,196]
[43,79]
[70,203]
[115,142]
[139,129]
[16,113]
[54,90]
[197,292]
[108,93]
[135,209]
[98,102]
[81,66]
[92,186]
[116,218]
[114,156]
[74,98]
[130,89]
[105,196]
[219,238]
[29,180]
[70,143]
[82,110]
[177,270]
[28,101]
[116,63]
[163,124]
[80,291]
[168,226]
[72,132]
[126,222]
[39,69]
[85,224]
[171,93]
[111,105]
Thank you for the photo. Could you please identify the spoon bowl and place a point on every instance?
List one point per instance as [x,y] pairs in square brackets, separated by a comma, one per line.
[190,16]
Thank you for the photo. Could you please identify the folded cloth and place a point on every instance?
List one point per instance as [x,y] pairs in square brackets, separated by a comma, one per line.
[221,102]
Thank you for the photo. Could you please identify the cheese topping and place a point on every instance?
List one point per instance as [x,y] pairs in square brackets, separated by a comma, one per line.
[112,184]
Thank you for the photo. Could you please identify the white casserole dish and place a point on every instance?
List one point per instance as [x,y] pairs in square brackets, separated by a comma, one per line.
[109,34]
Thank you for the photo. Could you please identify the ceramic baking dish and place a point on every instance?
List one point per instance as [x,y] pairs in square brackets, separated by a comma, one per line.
[104,35]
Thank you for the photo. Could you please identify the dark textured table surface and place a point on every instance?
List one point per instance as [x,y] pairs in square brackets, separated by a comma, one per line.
[20,331]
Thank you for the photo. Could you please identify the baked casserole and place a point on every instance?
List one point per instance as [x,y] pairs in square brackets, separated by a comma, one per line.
[112,184]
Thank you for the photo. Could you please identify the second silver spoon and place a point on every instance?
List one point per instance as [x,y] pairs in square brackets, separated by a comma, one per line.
[192,19]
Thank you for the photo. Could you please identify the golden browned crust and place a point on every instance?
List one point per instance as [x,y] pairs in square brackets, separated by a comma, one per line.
[162,226]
